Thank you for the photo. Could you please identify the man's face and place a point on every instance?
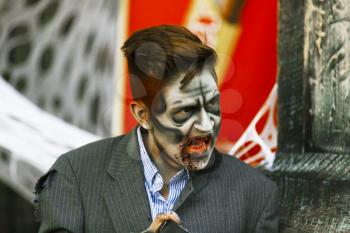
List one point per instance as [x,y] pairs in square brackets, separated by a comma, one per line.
[186,121]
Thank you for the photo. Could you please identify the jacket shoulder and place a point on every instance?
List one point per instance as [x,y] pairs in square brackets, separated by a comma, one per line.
[253,178]
[248,184]
[89,156]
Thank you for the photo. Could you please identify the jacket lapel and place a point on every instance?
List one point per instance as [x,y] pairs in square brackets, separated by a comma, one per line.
[125,195]
[198,180]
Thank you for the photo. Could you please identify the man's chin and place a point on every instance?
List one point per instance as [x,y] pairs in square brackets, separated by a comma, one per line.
[195,166]
[197,161]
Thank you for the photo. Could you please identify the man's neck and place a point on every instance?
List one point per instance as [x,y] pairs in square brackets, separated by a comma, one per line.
[167,172]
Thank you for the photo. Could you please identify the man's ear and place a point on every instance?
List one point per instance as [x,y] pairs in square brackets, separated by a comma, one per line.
[141,114]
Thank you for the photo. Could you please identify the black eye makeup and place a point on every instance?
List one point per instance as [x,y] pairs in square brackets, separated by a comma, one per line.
[183,114]
[213,106]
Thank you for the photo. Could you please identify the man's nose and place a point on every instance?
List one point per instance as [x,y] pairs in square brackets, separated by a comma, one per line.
[204,123]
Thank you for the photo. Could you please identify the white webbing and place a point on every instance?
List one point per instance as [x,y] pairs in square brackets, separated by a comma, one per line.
[31,140]
[266,140]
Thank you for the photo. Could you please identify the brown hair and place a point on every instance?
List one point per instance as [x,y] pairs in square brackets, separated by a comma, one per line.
[158,54]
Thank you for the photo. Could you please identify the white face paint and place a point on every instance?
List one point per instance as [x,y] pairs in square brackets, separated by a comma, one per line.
[186,121]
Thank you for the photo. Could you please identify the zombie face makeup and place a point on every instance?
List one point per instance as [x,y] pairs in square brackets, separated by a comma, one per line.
[186,121]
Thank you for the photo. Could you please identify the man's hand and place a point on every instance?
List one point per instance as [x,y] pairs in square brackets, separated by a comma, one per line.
[160,220]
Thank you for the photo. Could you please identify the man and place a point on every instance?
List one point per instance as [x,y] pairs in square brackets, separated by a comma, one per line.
[167,168]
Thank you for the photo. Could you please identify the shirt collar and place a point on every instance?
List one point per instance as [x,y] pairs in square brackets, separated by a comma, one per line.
[152,175]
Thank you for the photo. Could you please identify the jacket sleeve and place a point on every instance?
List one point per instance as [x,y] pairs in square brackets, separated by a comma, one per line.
[269,218]
[58,199]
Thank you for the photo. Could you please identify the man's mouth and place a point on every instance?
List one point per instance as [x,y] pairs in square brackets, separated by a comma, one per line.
[198,145]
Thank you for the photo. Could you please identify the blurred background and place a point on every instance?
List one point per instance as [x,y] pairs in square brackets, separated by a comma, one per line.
[63,81]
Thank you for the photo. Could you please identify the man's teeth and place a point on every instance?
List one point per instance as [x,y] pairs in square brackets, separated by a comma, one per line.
[198,146]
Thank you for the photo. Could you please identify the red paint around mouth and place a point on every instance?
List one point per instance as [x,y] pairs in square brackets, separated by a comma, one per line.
[198,145]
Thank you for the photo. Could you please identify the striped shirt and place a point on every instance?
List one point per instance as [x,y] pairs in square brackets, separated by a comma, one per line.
[154,183]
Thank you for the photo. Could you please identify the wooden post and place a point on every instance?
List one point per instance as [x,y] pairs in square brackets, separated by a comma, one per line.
[312,167]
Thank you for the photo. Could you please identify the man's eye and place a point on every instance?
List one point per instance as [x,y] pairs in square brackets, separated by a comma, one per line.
[182,115]
[213,106]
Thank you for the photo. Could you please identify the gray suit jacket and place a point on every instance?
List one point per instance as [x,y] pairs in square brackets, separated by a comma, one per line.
[99,188]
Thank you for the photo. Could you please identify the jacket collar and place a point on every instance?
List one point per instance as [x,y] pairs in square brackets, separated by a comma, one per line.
[125,154]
